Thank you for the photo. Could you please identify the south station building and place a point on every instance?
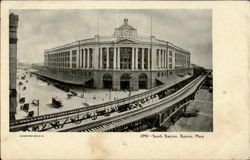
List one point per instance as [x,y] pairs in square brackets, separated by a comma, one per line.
[124,60]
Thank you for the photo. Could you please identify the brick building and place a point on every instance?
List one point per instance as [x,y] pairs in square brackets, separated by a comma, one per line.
[13,24]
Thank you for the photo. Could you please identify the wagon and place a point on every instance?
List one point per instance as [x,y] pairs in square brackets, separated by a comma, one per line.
[22,100]
[56,102]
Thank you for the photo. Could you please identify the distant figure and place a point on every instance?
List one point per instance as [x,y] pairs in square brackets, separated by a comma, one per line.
[129,92]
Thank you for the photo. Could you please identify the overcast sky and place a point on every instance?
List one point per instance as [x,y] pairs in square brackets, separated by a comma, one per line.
[43,29]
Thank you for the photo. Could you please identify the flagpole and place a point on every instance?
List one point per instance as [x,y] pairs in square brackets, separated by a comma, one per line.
[97,22]
[151,38]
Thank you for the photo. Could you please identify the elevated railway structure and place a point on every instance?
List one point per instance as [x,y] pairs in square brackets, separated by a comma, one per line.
[122,111]
[151,115]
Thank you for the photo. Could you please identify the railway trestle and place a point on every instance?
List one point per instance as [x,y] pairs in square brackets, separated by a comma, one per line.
[147,110]
[157,120]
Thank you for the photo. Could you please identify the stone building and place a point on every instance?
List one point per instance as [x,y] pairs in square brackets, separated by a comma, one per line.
[13,24]
[124,60]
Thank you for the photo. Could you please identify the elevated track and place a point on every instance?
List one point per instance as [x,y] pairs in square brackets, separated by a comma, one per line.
[58,120]
[121,122]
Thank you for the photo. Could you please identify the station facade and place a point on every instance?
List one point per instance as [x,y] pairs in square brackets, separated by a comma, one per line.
[124,60]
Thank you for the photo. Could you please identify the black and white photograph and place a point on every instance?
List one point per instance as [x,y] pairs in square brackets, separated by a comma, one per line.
[110,70]
[122,80]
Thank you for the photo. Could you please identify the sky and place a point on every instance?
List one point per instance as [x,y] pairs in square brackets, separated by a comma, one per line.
[43,29]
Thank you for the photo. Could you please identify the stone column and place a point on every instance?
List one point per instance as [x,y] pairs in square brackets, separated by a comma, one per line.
[153,61]
[142,59]
[114,59]
[100,58]
[107,57]
[92,56]
[80,58]
[77,59]
[166,59]
[162,58]
[149,58]
[133,59]
[70,59]
[87,57]
[83,58]
[159,58]
[164,55]
[118,58]
[136,58]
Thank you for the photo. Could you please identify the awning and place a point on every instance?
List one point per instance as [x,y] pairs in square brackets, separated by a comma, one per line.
[173,79]
[64,77]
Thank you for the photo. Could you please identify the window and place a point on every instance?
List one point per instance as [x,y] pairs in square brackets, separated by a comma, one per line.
[170,59]
[159,74]
[74,52]
[170,53]
[170,66]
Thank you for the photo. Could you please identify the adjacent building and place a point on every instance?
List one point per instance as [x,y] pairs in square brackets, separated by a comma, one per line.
[124,60]
[13,24]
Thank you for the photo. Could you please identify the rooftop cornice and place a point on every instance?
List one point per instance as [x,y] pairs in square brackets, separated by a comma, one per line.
[111,39]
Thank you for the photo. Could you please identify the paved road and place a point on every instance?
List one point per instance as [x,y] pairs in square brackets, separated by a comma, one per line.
[37,89]
[203,122]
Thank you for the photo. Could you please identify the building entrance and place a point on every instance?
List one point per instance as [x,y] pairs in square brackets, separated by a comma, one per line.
[143,79]
[125,81]
[107,81]
[125,57]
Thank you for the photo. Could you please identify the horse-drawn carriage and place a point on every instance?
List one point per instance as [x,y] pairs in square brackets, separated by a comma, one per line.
[56,102]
